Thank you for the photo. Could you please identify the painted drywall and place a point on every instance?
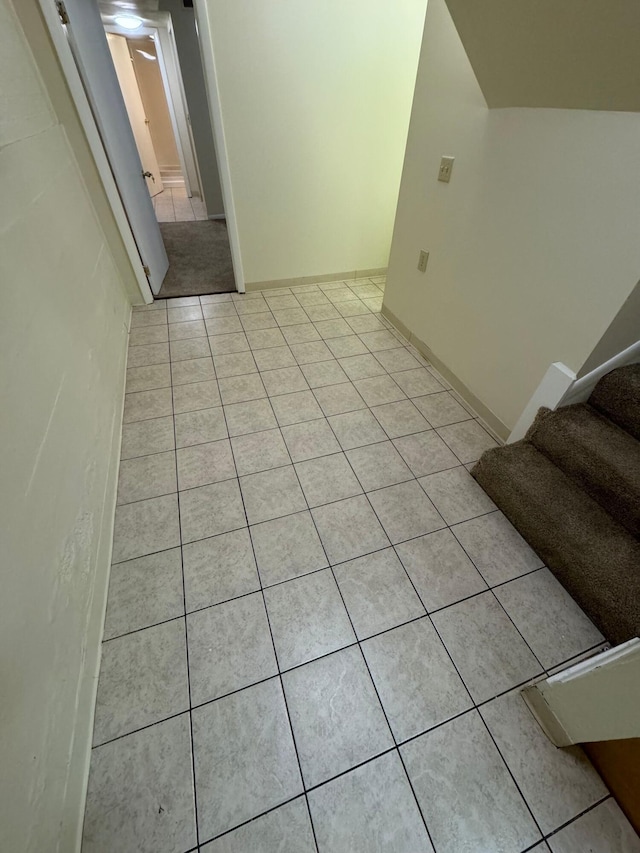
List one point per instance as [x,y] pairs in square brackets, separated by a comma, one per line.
[315,101]
[533,242]
[63,332]
[184,31]
[622,333]
[154,100]
[578,54]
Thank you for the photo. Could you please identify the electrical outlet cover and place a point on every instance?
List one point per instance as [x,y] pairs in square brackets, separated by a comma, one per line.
[446,167]
[423,259]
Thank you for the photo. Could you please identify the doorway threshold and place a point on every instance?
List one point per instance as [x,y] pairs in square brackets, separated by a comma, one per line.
[199,259]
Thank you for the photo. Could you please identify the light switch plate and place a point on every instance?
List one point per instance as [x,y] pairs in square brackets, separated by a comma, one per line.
[446,167]
[423,259]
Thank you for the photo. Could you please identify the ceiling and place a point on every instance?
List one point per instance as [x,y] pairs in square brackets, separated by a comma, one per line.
[119,6]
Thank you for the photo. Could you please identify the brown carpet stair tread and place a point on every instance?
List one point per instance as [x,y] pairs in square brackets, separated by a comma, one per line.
[572,489]
[617,396]
[599,456]
[595,558]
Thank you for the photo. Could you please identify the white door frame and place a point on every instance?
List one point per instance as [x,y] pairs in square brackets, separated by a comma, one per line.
[78,94]
[205,37]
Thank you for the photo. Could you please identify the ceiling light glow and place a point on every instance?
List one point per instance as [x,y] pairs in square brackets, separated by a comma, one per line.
[129,22]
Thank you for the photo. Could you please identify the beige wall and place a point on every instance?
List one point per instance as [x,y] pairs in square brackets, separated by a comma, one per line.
[315,104]
[63,330]
[533,243]
[155,103]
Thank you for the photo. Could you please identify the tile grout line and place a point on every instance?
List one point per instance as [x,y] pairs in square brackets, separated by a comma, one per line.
[294,423]
[285,465]
[476,707]
[275,651]
[403,344]
[414,477]
[527,849]
[362,653]
[382,708]
[284,693]
[608,796]
[491,589]
[186,627]
[369,670]
[352,645]
[316,571]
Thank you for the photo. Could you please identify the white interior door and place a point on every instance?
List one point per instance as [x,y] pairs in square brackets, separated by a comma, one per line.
[135,110]
[88,42]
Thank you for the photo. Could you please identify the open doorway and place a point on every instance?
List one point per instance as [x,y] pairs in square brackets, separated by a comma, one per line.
[159,120]
[145,56]
[154,123]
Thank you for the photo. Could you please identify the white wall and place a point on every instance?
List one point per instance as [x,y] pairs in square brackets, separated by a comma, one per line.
[315,104]
[63,330]
[534,243]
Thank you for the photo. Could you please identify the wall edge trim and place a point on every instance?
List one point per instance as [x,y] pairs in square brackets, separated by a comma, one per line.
[349,275]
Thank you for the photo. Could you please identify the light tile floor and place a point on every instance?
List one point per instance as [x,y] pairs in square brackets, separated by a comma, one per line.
[174,205]
[317,621]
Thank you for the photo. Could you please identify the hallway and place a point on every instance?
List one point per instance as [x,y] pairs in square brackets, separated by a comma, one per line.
[316,618]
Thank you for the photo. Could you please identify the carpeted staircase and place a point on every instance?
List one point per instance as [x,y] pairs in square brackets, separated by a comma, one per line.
[572,489]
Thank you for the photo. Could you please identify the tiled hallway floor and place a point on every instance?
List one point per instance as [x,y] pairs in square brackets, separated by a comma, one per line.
[316,618]
[174,205]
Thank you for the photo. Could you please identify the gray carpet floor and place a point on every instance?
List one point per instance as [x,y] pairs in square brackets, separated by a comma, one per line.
[199,259]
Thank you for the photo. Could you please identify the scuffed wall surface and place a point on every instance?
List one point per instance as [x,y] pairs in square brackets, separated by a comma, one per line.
[63,326]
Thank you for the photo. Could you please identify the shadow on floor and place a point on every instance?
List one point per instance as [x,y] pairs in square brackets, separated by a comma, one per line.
[199,259]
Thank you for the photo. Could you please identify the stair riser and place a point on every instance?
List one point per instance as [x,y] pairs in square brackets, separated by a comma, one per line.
[617,397]
[598,456]
[595,559]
